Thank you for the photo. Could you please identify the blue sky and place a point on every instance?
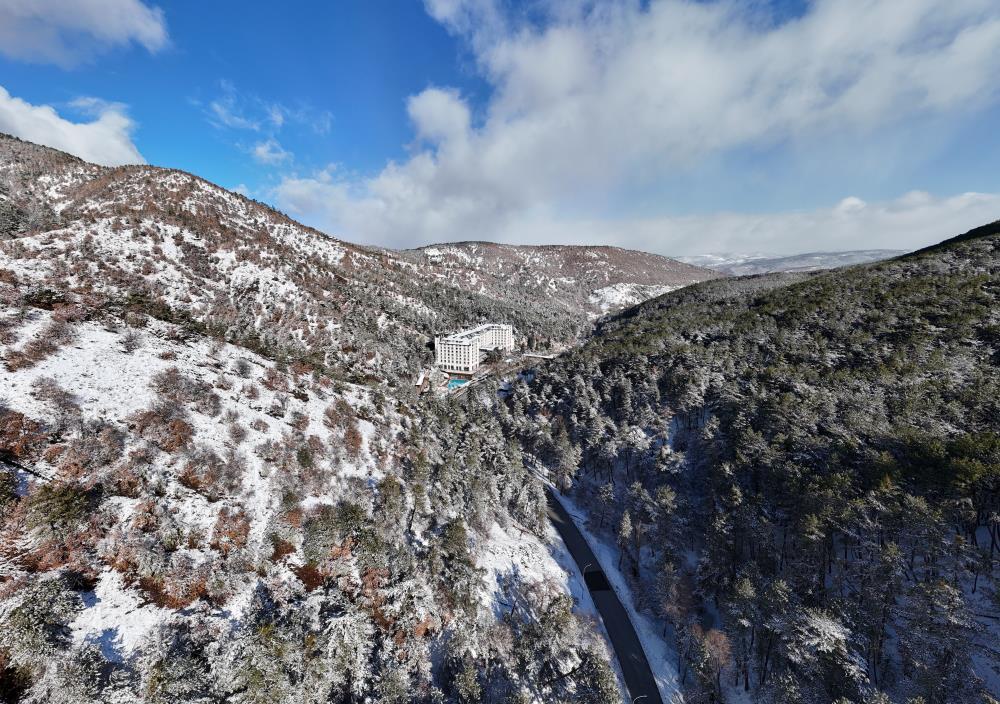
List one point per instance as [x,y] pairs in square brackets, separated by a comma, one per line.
[668,125]
[354,61]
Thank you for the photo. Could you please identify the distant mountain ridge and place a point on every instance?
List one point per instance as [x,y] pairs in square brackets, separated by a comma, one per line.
[748,264]
[597,279]
[172,242]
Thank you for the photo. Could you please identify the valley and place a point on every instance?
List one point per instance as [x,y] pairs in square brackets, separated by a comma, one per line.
[500,352]
[210,424]
[220,481]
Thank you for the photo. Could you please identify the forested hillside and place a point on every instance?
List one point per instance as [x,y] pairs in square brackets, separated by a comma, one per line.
[218,484]
[593,279]
[216,481]
[184,521]
[802,473]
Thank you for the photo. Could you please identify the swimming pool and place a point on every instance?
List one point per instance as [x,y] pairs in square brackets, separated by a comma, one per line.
[455,383]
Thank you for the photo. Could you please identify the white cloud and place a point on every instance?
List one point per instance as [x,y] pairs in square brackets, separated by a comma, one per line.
[270,152]
[227,110]
[65,32]
[276,114]
[912,221]
[105,139]
[602,93]
[440,116]
[239,110]
[320,121]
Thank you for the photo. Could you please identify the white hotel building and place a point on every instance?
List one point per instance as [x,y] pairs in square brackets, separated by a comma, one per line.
[463,352]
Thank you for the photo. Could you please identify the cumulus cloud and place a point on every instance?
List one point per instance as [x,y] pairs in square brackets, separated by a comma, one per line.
[439,116]
[64,32]
[105,139]
[597,95]
[270,152]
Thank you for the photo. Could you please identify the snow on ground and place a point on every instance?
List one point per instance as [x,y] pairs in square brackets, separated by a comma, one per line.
[622,295]
[520,552]
[112,384]
[115,617]
[659,653]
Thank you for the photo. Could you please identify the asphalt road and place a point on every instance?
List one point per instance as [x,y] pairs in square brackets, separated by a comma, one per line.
[631,657]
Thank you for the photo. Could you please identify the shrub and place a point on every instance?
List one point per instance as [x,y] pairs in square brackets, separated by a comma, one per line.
[131,341]
[275,380]
[353,441]
[182,585]
[98,445]
[237,433]
[321,534]
[65,405]
[300,368]
[299,421]
[309,575]
[125,481]
[242,368]
[195,539]
[48,342]
[173,385]
[69,313]
[44,298]
[209,404]
[304,457]
[165,426]
[232,528]
[135,320]
[57,506]
[8,487]
[39,625]
[146,516]
[281,548]
[278,407]
[210,475]
[338,415]
[20,437]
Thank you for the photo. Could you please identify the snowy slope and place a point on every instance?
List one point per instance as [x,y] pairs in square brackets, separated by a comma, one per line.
[111,385]
[590,278]
[747,264]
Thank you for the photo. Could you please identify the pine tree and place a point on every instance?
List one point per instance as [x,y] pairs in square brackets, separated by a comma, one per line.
[624,536]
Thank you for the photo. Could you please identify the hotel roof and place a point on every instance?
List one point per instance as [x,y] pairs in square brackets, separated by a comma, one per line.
[466,336]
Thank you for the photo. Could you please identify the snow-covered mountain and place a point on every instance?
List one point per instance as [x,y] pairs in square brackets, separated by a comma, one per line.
[593,278]
[747,264]
[173,244]
[214,484]
[217,482]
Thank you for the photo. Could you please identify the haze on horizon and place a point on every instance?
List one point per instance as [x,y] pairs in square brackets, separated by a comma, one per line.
[671,126]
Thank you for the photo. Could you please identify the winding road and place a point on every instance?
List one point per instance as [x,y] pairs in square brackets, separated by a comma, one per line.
[635,667]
